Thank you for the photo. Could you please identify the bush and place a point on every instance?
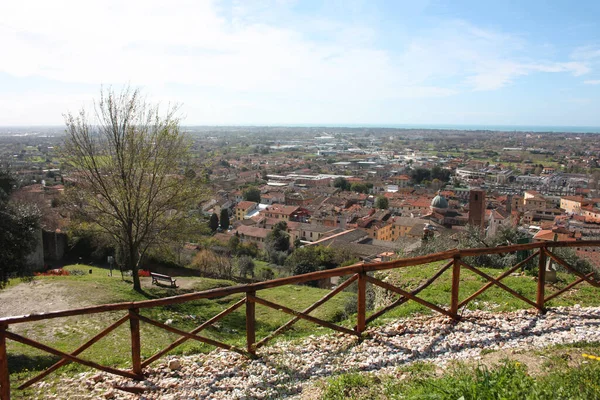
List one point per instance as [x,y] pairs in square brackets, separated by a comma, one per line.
[265,273]
[212,265]
[77,272]
[245,266]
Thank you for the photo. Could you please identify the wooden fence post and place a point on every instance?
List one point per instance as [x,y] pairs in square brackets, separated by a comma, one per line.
[250,322]
[454,300]
[134,325]
[541,279]
[361,309]
[4,375]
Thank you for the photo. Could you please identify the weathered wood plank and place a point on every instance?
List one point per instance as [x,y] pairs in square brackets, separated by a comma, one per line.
[221,292]
[302,315]
[4,375]
[91,364]
[414,292]
[454,300]
[499,278]
[76,352]
[361,309]
[188,335]
[499,284]
[292,321]
[541,283]
[565,264]
[250,322]
[136,346]
[404,293]
[202,326]
[569,286]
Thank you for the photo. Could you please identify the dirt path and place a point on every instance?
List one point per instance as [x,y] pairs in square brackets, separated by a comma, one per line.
[37,296]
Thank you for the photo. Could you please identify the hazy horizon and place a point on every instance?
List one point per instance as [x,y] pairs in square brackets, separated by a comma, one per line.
[459,127]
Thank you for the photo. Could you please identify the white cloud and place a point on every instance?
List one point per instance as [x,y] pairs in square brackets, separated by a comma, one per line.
[188,42]
[235,59]
[586,53]
[592,82]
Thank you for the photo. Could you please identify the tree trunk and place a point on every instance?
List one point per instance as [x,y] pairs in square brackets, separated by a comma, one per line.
[133,260]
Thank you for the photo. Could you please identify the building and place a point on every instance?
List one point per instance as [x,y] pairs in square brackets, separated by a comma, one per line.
[244,208]
[477,208]
[533,201]
[252,234]
[401,180]
[408,227]
[572,204]
[286,213]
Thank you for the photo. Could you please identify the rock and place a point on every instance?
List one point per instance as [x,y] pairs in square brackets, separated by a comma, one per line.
[286,368]
[174,364]
[110,394]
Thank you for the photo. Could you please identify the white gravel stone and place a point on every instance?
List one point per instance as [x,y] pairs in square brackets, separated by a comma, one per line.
[174,364]
[286,367]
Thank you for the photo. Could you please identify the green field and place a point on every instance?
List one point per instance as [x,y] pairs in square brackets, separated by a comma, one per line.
[561,373]
[84,289]
[68,333]
[493,299]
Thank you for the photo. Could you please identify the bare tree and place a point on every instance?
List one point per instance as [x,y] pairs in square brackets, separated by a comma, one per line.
[127,164]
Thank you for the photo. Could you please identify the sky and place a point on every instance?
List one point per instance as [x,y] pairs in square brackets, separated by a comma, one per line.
[261,62]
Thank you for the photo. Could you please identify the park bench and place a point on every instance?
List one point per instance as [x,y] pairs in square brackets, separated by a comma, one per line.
[160,277]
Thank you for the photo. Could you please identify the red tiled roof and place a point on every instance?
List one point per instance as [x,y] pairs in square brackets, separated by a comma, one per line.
[244,205]
[252,231]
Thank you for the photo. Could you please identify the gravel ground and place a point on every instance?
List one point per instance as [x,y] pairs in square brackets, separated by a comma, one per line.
[286,368]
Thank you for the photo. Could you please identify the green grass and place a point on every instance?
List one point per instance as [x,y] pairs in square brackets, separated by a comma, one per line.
[493,299]
[68,333]
[508,380]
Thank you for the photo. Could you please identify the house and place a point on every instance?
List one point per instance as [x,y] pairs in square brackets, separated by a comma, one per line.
[244,208]
[495,219]
[572,204]
[286,213]
[252,234]
[549,235]
[402,181]
[533,200]
[407,227]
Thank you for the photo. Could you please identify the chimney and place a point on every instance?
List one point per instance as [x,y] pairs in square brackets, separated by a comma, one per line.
[477,208]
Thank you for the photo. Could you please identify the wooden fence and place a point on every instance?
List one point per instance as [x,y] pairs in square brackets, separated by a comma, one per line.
[359,273]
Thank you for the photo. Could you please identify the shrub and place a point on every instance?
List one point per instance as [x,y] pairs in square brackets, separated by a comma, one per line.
[265,273]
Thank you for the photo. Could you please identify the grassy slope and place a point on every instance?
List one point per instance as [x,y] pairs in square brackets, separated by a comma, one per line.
[494,299]
[561,373]
[68,333]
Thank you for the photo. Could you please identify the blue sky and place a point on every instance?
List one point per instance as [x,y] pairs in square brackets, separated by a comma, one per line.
[308,62]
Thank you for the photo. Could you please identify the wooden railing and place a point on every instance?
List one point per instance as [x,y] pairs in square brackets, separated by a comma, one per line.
[359,273]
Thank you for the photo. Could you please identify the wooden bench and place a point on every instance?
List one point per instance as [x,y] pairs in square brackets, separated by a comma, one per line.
[160,277]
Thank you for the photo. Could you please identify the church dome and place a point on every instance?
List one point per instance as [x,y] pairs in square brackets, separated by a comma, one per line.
[439,202]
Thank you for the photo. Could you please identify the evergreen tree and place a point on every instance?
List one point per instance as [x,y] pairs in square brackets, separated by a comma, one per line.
[382,203]
[224,220]
[213,223]
[252,194]
[18,226]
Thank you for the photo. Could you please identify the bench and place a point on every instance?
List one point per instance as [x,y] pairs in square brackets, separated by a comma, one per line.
[160,277]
